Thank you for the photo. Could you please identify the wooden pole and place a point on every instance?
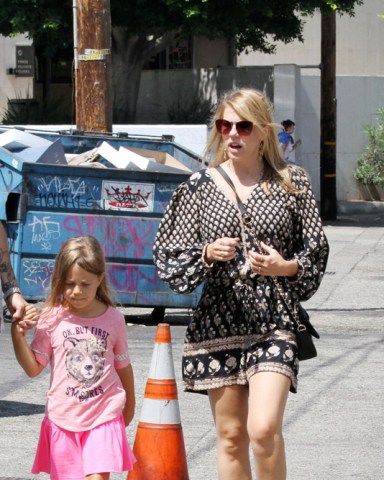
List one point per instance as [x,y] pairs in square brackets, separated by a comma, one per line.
[328,194]
[93,79]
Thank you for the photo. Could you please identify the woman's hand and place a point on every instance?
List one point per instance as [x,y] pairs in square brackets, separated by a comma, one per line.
[222,249]
[272,263]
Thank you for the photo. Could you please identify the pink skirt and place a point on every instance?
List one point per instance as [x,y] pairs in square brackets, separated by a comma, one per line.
[67,455]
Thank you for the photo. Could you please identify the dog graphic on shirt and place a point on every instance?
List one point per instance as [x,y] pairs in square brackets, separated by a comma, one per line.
[85,359]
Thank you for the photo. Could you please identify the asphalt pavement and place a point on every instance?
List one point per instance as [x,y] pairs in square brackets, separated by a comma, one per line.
[334,424]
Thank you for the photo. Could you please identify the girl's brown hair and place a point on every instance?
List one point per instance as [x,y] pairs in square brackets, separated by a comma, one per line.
[252,105]
[86,252]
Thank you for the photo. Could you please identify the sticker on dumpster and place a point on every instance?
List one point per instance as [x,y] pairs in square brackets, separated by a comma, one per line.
[128,196]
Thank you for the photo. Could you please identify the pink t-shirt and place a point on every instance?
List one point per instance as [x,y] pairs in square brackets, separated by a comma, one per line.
[84,353]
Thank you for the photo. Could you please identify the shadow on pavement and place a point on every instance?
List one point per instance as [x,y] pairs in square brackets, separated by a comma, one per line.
[19,409]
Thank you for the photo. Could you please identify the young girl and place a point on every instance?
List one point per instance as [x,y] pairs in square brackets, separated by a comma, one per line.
[91,396]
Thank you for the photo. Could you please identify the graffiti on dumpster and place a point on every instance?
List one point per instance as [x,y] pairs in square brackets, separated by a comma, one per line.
[128,196]
[75,186]
[65,192]
[37,272]
[137,283]
[119,236]
[44,231]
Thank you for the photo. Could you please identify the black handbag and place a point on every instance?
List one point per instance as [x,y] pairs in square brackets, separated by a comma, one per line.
[304,330]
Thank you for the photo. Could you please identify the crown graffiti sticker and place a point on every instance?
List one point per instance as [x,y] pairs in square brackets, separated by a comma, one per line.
[128,196]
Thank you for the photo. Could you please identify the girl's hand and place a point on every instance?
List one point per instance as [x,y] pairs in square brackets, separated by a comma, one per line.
[272,263]
[128,383]
[29,319]
[128,413]
[221,250]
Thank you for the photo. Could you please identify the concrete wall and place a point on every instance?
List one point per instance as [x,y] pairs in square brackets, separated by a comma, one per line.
[359,42]
[162,90]
[358,99]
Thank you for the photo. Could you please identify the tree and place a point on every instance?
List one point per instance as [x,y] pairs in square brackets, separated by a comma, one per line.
[142,28]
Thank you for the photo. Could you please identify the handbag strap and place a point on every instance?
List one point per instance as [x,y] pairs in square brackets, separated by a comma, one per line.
[247,219]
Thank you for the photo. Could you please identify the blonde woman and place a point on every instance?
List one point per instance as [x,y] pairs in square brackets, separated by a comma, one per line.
[240,347]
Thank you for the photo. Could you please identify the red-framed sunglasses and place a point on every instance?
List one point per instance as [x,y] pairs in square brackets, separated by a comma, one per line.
[243,128]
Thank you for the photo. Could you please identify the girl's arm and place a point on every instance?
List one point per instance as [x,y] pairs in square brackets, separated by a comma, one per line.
[127,380]
[23,352]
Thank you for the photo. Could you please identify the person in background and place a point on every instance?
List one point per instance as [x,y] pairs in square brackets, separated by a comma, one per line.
[287,142]
[91,397]
[240,346]
[11,293]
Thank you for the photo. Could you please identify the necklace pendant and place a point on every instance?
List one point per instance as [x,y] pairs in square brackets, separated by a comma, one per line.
[247,219]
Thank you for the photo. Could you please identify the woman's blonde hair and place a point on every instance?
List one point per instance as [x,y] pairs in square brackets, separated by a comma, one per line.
[86,252]
[254,106]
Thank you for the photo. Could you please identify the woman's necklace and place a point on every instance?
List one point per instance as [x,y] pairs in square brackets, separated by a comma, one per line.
[246,266]
[249,183]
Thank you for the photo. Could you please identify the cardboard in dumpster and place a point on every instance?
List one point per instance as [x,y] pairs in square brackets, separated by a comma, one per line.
[87,159]
[160,157]
[132,158]
[135,159]
[15,140]
[52,154]
[32,148]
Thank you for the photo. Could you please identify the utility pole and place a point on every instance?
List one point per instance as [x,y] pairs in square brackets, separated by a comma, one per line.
[328,194]
[93,77]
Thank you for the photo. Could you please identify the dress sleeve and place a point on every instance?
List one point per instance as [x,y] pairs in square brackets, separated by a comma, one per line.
[178,247]
[310,245]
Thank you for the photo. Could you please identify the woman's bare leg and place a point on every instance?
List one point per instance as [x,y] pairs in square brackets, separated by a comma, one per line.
[268,393]
[230,408]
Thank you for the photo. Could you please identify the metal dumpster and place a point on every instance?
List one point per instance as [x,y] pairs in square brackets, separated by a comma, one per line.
[45,204]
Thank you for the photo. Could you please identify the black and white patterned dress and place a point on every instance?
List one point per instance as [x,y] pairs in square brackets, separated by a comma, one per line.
[230,338]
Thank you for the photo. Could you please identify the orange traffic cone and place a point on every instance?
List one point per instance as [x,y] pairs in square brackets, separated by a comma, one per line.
[159,444]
